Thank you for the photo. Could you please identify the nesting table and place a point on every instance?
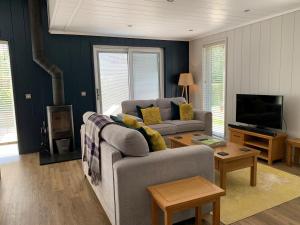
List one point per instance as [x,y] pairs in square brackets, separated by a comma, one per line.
[185,194]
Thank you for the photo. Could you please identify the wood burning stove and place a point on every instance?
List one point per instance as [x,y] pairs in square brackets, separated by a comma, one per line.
[61,129]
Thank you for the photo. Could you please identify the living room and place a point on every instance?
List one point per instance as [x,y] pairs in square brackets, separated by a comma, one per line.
[144,112]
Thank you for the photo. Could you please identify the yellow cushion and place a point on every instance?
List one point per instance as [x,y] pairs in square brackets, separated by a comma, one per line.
[131,122]
[151,115]
[157,141]
[186,112]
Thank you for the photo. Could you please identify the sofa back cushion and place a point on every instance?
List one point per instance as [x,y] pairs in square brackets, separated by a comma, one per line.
[165,106]
[129,106]
[128,141]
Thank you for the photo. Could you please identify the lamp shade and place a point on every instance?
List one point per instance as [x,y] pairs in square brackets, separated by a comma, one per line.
[185,79]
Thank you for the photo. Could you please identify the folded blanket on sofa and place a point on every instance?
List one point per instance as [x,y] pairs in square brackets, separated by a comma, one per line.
[94,126]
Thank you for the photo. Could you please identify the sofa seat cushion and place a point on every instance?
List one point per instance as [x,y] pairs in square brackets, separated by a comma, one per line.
[186,125]
[164,128]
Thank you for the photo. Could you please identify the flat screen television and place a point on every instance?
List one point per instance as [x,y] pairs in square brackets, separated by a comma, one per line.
[263,111]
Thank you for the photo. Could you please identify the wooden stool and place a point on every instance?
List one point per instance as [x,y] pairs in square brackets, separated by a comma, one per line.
[185,194]
[292,143]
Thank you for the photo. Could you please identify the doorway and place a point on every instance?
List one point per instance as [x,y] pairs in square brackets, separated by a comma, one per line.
[8,130]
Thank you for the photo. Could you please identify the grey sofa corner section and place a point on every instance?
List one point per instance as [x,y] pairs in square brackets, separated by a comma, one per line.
[122,190]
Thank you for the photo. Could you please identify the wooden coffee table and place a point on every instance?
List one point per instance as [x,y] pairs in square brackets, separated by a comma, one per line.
[235,160]
[185,194]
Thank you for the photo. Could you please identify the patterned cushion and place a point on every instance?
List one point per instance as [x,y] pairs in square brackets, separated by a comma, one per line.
[157,141]
[151,115]
[186,112]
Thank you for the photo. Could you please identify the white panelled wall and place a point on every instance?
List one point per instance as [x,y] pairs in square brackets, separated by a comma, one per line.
[262,58]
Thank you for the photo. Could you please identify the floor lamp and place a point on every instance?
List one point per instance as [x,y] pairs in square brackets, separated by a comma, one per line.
[185,80]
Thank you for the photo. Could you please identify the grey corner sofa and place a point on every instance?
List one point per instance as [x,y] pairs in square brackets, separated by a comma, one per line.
[128,168]
[202,120]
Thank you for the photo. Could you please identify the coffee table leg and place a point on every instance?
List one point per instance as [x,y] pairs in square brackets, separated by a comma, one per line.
[216,212]
[253,175]
[289,158]
[168,218]
[198,216]
[222,176]
[154,209]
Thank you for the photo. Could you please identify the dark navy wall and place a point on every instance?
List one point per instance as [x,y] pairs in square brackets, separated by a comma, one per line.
[73,54]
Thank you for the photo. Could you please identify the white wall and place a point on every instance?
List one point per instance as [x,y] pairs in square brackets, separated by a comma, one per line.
[262,58]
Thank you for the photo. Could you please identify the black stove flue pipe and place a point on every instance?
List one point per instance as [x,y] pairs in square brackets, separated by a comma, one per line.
[38,52]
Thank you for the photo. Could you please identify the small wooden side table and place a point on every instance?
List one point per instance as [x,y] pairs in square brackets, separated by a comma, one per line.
[292,143]
[185,194]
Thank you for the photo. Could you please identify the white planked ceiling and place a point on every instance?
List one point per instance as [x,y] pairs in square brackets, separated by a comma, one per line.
[159,19]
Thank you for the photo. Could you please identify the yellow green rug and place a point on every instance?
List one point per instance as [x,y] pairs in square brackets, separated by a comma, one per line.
[274,187]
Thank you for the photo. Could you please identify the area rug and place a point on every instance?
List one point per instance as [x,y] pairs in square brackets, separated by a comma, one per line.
[274,187]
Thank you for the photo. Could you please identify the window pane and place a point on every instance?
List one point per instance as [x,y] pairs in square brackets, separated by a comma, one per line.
[114,81]
[8,131]
[145,73]
[214,90]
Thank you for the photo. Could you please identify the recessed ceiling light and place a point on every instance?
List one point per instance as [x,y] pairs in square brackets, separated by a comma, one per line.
[191,30]
[170,0]
[247,10]
[130,25]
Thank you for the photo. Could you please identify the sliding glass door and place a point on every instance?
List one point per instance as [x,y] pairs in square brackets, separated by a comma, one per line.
[126,73]
[214,67]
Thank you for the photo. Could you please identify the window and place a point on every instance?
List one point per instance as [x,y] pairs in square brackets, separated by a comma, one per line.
[126,73]
[214,68]
[8,132]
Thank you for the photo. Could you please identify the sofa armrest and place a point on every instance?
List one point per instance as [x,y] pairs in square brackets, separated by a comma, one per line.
[135,117]
[132,176]
[205,117]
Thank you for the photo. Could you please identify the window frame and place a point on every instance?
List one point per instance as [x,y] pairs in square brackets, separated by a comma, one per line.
[223,41]
[129,50]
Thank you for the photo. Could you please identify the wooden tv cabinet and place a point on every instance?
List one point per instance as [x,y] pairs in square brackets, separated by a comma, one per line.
[271,148]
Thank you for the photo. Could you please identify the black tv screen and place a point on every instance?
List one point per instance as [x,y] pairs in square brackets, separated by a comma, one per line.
[261,110]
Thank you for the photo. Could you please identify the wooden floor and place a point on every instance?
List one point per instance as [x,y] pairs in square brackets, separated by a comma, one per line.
[58,194]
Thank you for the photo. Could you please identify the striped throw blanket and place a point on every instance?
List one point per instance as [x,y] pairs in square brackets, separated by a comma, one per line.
[94,127]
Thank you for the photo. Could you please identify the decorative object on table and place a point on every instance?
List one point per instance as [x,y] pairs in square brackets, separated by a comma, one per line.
[185,80]
[208,140]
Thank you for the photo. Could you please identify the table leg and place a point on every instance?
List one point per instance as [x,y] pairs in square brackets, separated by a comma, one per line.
[168,218]
[216,212]
[222,176]
[289,155]
[198,215]
[253,175]
[297,155]
[154,214]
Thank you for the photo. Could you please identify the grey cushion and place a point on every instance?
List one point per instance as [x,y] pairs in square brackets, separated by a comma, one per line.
[165,106]
[129,107]
[187,125]
[128,141]
[164,128]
